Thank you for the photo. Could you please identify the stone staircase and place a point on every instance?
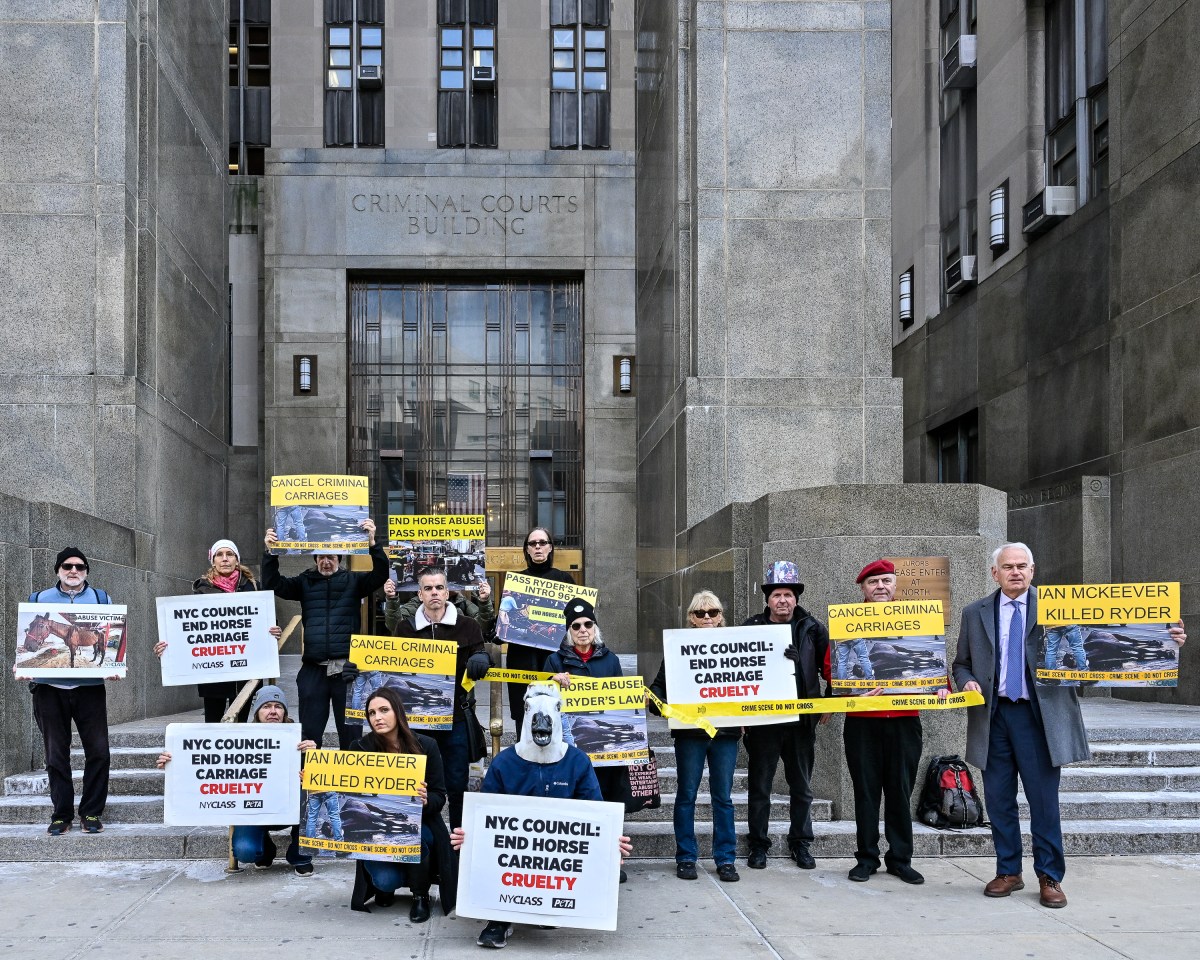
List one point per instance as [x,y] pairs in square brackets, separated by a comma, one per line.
[1139,794]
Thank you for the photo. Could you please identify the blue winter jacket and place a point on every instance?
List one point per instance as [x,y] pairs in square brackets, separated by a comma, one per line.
[571,778]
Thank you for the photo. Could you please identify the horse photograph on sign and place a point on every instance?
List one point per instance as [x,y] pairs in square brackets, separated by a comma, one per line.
[70,640]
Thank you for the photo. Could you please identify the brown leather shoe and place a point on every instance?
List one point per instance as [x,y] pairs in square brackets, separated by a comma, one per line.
[1003,884]
[1052,895]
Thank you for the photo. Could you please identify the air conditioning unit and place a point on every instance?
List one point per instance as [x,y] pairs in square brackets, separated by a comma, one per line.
[960,274]
[1047,208]
[370,77]
[958,65]
[483,74]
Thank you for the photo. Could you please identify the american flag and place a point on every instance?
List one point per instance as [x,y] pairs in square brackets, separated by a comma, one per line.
[466,492]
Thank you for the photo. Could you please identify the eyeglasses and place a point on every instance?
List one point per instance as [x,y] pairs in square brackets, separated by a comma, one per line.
[706,614]
[73,566]
[583,625]
[537,543]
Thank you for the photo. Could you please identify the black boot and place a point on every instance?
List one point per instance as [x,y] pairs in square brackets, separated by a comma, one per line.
[419,913]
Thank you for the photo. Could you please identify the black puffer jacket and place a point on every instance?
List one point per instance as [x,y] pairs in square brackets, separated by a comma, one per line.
[329,605]
[812,640]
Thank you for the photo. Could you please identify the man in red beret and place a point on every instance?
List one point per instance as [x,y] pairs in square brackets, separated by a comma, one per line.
[883,751]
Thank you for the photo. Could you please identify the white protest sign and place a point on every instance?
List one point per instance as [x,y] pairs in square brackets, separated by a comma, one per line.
[213,637]
[232,773]
[730,665]
[62,641]
[540,860]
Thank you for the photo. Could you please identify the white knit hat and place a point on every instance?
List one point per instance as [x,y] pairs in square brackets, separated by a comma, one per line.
[226,544]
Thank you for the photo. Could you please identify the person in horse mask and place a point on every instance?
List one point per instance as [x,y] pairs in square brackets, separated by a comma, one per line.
[81,700]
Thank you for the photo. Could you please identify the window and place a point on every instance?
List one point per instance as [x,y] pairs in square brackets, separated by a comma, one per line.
[579,82]
[1077,95]
[467,71]
[957,171]
[353,71]
[249,85]
[956,445]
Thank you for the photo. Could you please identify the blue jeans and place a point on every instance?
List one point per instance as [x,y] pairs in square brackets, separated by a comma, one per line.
[690,754]
[290,520]
[388,876]
[254,845]
[331,802]
[453,744]
[1074,637]
[860,651]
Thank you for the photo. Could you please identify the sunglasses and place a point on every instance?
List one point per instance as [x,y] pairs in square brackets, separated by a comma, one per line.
[74,566]
[537,543]
[706,614]
[583,624]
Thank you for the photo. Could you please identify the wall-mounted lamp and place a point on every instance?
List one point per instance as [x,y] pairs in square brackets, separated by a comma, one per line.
[905,298]
[304,375]
[998,219]
[623,376]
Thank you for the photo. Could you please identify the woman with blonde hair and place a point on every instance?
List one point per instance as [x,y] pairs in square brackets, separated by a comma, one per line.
[694,747]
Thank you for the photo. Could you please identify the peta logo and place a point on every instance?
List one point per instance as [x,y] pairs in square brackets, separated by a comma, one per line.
[562,903]
[251,804]
[239,663]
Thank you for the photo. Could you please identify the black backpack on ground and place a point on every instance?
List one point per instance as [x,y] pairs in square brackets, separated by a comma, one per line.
[949,799]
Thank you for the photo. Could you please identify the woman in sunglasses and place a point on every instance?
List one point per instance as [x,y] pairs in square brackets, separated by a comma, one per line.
[692,748]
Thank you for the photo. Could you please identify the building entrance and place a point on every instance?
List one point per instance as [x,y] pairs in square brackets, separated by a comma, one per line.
[466,397]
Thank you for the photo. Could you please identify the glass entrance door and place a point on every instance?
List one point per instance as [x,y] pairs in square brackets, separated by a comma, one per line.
[466,397]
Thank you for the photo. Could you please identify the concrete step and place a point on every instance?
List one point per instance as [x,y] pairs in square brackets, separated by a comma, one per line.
[668,779]
[120,809]
[1125,805]
[123,758]
[1129,779]
[1185,754]
[120,783]
[821,809]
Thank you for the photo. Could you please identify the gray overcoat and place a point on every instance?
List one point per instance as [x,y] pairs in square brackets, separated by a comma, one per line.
[1057,708]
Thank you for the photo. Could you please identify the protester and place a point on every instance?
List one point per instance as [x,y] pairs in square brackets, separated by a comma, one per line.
[539,562]
[794,741]
[483,612]
[252,843]
[883,752]
[692,748]
[226,574]
[539,764]
[438,619]
[390,733]
[82,700]
[330,600]
[1021,729]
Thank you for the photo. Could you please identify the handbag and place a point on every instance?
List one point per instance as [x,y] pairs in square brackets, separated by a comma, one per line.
[644,792]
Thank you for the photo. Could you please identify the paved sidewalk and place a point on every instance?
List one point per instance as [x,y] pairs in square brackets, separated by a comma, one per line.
[1133,907]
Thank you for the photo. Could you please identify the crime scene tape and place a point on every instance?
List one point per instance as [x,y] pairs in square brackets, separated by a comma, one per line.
[1096,675]
[496,675]
[759,708]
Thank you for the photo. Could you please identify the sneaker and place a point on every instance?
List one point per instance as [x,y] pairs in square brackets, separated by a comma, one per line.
[905,873]
[495,934]
[727,872]
[757,860]
[861,873]
[686,871]
[58,827]
[303,869]
[804,859]
[623,877]
[91,824]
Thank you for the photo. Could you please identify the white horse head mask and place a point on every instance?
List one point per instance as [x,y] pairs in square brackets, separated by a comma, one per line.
[541,732]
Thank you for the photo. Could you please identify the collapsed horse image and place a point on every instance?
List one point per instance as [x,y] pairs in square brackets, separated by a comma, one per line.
[75,637]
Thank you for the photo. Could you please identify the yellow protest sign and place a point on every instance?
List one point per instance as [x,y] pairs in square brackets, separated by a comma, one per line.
[404,654]
[1107,603]
[358,771]
[319,489]
[416,527]
[903,618]
[604,693]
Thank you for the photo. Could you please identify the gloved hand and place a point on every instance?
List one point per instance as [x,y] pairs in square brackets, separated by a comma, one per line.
[350,672]
[477,665]
[792,653]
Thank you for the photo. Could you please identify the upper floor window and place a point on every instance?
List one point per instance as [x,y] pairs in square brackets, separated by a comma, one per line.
[468,105]
[354,73]
[579,75]
[249,85]
[958,166]
[956,445]
[1077,95]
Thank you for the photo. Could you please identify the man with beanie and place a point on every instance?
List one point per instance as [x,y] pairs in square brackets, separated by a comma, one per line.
[795,741]
[330,601]
[883,752]
[252,843]
[82,700]
[438,619]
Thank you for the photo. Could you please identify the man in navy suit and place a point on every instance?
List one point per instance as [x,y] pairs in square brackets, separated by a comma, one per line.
[1021,730]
